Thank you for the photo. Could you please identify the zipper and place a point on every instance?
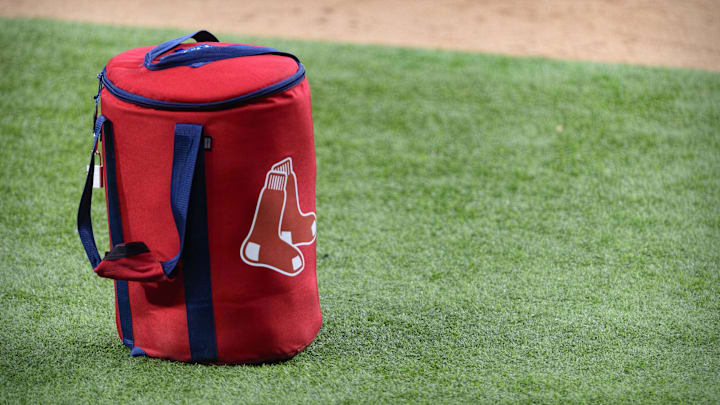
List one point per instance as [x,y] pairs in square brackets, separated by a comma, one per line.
[132,98]
[97,99]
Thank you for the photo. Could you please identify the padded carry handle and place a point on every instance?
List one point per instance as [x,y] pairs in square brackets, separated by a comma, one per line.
[202,54]
[198,36]
[134,260]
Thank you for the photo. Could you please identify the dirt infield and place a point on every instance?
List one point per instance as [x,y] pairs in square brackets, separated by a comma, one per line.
[660,32]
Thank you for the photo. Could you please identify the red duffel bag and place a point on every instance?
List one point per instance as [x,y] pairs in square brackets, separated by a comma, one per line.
[208,165]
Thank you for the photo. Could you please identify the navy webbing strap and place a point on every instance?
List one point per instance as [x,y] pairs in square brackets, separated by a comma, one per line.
[185,153]
[196,273]
[202,54]
[84,222]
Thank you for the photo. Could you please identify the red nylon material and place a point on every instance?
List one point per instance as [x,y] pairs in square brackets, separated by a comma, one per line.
[260,314]
[142,267]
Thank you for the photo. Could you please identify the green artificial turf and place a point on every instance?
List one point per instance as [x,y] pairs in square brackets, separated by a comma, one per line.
[490,229]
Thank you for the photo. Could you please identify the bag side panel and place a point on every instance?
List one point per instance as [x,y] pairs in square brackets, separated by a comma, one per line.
[260,314]
[143,155]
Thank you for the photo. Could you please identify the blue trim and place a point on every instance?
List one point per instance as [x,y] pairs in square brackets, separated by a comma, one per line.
[132,98]
[116,233]
[185,152]
[137,351]
[122,292]
[196,273]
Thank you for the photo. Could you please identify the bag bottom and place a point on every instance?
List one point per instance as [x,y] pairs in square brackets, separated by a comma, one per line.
[139,352]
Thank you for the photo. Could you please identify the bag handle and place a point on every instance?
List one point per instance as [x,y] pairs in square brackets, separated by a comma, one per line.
[202,54]
[84,220]
[134,260]
[198,36]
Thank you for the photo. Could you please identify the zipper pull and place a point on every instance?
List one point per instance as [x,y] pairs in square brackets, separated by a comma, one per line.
[97,97]
[98,175]
[98,168]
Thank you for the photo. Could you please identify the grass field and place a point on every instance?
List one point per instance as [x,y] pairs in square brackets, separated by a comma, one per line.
[491,229]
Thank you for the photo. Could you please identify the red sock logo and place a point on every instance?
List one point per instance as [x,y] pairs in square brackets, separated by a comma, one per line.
[279,226]
[297,227]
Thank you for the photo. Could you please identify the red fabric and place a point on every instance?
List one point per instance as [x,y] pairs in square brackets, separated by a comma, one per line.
[159,319]
[142,267]
[260,314]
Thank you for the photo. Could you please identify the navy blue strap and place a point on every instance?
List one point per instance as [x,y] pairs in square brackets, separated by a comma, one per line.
[122,287]
[202,54]
[84,220]
[185,152]
[196,273]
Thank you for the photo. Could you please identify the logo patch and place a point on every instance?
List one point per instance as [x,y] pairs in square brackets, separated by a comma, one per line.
[279,225]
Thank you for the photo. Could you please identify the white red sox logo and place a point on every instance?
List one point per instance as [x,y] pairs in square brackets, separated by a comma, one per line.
[279,226]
